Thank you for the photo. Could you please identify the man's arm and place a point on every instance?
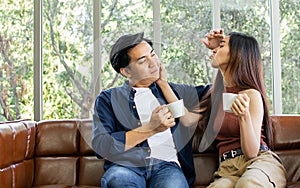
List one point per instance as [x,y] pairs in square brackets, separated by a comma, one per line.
[160,121]
[106,140]
[111,138]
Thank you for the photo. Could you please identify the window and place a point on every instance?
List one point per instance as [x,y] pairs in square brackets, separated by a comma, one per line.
[251,17]
[183,24]
[73,73]
[16,60]
[289,53]
[67,58]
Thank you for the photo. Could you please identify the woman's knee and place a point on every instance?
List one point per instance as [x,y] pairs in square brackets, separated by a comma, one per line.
[225,182]
[250,182]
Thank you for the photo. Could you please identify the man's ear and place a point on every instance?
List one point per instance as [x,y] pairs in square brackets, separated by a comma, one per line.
[125,72]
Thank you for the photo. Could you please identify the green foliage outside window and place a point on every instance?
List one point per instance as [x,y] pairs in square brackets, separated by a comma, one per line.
[68,49]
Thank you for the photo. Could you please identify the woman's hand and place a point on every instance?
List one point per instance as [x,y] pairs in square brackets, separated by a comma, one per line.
[163,75]
[213,39]
[240,105]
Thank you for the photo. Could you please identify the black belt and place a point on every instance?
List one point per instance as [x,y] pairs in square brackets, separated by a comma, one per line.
[237,152]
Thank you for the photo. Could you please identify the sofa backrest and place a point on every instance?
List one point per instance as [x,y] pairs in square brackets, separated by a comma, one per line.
[63,154]
[59,152]
[17,141]
[286,132]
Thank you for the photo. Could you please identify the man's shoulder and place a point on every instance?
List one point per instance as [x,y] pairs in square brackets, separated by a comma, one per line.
[105,92]
[107,96]
[188,87]
[108,91]
[179,85]
[115,92]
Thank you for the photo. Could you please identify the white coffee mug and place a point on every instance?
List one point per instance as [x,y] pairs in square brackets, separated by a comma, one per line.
[228,99]
[176,108]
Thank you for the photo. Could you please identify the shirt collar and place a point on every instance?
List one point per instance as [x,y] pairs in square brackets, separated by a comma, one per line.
[129,88]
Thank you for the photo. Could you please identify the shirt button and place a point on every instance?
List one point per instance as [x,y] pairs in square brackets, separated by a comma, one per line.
[139,123]
[149,150]
[134,107]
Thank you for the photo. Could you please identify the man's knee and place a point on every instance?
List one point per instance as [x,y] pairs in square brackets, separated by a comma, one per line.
[117,177]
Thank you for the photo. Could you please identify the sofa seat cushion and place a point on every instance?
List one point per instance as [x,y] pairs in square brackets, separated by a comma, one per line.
[205,166]
[55,170]
[53,186]
[64,186]
[294,184]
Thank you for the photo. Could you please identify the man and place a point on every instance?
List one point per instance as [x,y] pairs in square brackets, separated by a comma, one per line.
[133,130]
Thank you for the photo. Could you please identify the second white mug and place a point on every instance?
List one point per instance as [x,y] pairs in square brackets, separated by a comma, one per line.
[228,99]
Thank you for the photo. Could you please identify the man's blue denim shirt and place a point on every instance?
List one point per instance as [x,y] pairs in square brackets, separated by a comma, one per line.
[115,114]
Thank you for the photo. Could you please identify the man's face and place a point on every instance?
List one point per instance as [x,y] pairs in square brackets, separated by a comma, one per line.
[144,67]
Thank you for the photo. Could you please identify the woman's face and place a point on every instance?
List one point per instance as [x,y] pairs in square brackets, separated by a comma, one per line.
[222,55]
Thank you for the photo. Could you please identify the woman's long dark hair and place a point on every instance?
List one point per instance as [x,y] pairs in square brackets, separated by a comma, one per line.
[245,66]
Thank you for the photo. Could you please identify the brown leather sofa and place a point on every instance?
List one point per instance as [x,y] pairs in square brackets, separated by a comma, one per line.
[57,153]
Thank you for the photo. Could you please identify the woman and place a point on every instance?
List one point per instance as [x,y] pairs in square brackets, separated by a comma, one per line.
[243,136]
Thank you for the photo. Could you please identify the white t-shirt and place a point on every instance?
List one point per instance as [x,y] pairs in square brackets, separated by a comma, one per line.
[161,144]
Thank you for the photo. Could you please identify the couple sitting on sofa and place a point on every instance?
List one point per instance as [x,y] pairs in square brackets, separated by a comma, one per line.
[146,146]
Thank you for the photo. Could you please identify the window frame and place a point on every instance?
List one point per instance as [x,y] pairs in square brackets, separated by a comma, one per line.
[38,40]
